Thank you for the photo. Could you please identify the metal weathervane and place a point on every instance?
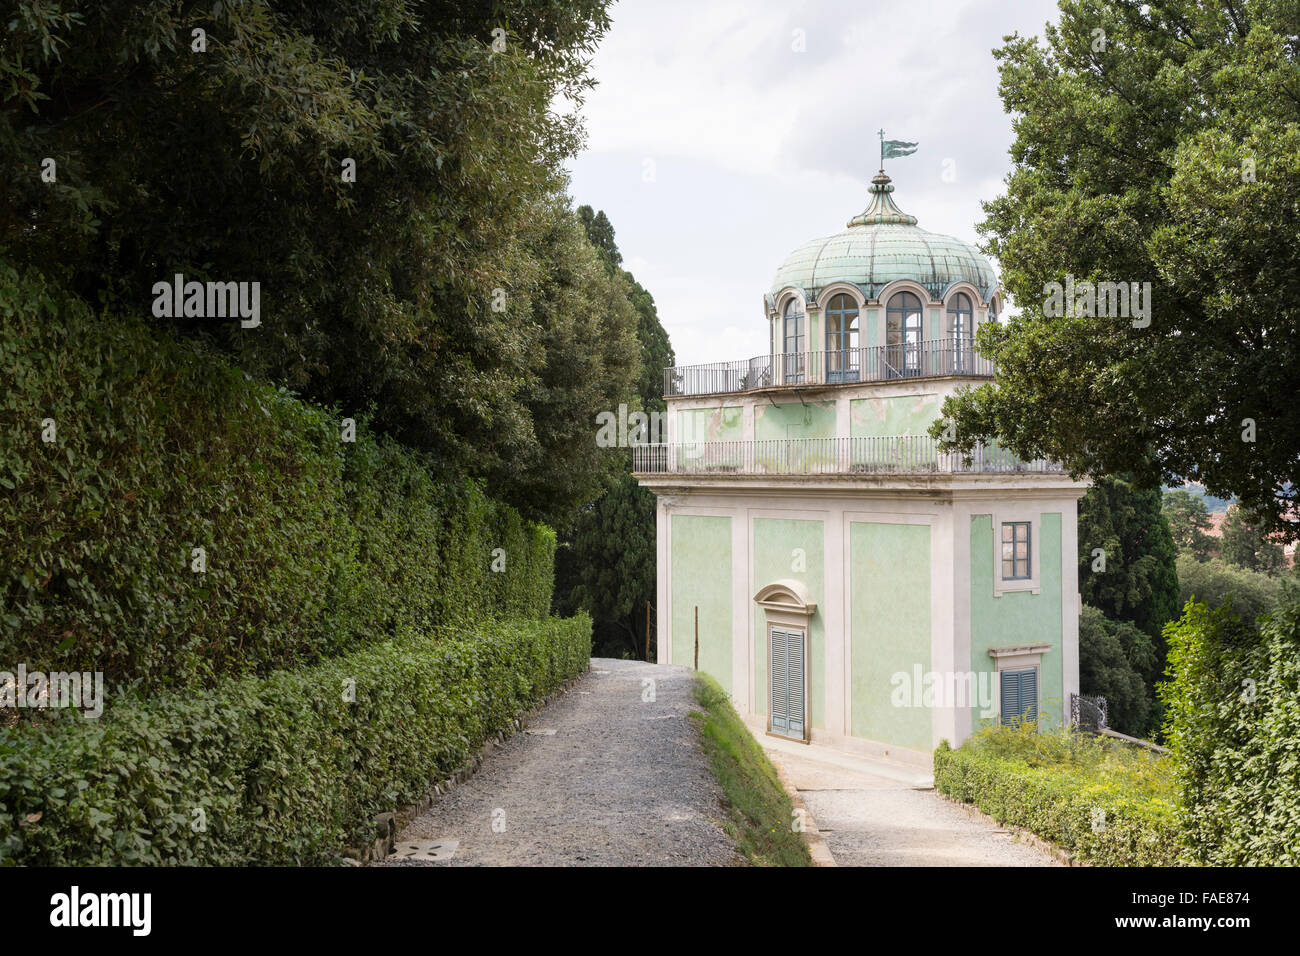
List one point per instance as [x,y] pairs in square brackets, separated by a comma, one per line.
[889,148]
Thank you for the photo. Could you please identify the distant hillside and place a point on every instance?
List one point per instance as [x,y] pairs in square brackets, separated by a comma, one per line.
[1212,504]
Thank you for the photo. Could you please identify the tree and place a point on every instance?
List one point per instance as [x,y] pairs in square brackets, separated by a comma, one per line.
[1215,584]
[656,350]
[589,362]
[1188,523]
[390,173]
[1155,143]
[1244,546]
[606,562]
[611,566]
[1118,661]
[1140,580]
[601,233]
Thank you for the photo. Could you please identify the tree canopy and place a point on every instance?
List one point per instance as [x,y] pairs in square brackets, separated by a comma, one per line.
[1244,546]
[1154,143]
[1139,582]
[1118,661]
[1189,522]
[606,561]
[389,171]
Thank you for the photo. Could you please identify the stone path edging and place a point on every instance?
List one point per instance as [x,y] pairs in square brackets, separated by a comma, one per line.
[1062,855]
[812,836]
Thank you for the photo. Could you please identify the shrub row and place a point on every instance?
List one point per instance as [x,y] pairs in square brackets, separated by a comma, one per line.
[313,545]
[1233,728]
[1097,819]
[275,770]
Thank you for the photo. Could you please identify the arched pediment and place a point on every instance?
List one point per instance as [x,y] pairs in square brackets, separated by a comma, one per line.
[786,595]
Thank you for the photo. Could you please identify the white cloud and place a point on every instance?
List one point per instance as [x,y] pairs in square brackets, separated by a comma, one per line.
[757,148]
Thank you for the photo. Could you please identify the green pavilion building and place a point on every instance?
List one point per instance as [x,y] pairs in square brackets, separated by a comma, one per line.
[849,583]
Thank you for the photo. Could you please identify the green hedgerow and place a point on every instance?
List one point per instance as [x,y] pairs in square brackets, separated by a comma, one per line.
[314,546]
[282,769]
[1109,803]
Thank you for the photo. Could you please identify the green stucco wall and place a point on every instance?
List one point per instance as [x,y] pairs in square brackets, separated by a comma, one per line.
[794,420]
[899,415]
[711,424]
[890,629]
[777,546]
[701,576]
[1018,617]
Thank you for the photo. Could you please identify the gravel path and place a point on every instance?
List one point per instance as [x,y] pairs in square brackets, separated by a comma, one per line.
[871,820]
[619,782]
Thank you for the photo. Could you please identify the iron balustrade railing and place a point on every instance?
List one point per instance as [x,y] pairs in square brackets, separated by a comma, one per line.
[904,454]
[877,363]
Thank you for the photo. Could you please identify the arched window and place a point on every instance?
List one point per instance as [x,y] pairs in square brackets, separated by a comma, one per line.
[961,321]
[842,339]
[792,341]
[903,334]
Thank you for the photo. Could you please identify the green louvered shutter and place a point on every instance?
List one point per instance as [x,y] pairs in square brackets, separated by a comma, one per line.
[1019,695]
[780,704]
[794,681]
[787,682]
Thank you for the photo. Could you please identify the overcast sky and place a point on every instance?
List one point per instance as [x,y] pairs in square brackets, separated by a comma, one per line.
[716,148]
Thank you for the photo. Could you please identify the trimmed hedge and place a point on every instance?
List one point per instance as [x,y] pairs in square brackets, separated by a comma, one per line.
[314,546]
[1061,803]
[1233,728]
[284,769]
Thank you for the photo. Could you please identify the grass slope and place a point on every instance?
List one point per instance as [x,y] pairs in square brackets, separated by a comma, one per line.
[759,812]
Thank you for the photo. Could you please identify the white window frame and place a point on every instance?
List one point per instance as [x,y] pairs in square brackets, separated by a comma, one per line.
[788,606]
[1033,583]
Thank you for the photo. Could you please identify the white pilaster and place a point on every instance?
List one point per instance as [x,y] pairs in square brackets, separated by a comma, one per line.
[833,618]
[1070,605]
[944,658]
[742,600]
[663,588]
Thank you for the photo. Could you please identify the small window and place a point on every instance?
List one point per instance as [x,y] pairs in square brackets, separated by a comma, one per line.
[1015,550]
[1019,696]
[793,329]
[959,317]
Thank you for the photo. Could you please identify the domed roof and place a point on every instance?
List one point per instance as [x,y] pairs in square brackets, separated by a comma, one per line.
[880,245]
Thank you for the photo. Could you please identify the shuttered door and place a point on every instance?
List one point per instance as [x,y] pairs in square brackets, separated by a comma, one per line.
[787,681]
[1019,690]
[794,678]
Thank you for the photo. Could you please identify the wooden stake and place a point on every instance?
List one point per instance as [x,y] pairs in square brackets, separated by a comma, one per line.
[697,637]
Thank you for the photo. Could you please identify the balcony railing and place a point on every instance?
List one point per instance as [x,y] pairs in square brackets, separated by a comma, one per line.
[877,363]
[916,454]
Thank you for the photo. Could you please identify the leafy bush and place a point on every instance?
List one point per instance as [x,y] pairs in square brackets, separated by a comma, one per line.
[1252,592]
[1233,727]
[284,769]
[1108,803]
[1115,659]
[314,546]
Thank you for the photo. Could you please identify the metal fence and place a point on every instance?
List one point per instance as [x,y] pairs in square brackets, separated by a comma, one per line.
[880,363]
[916,454]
